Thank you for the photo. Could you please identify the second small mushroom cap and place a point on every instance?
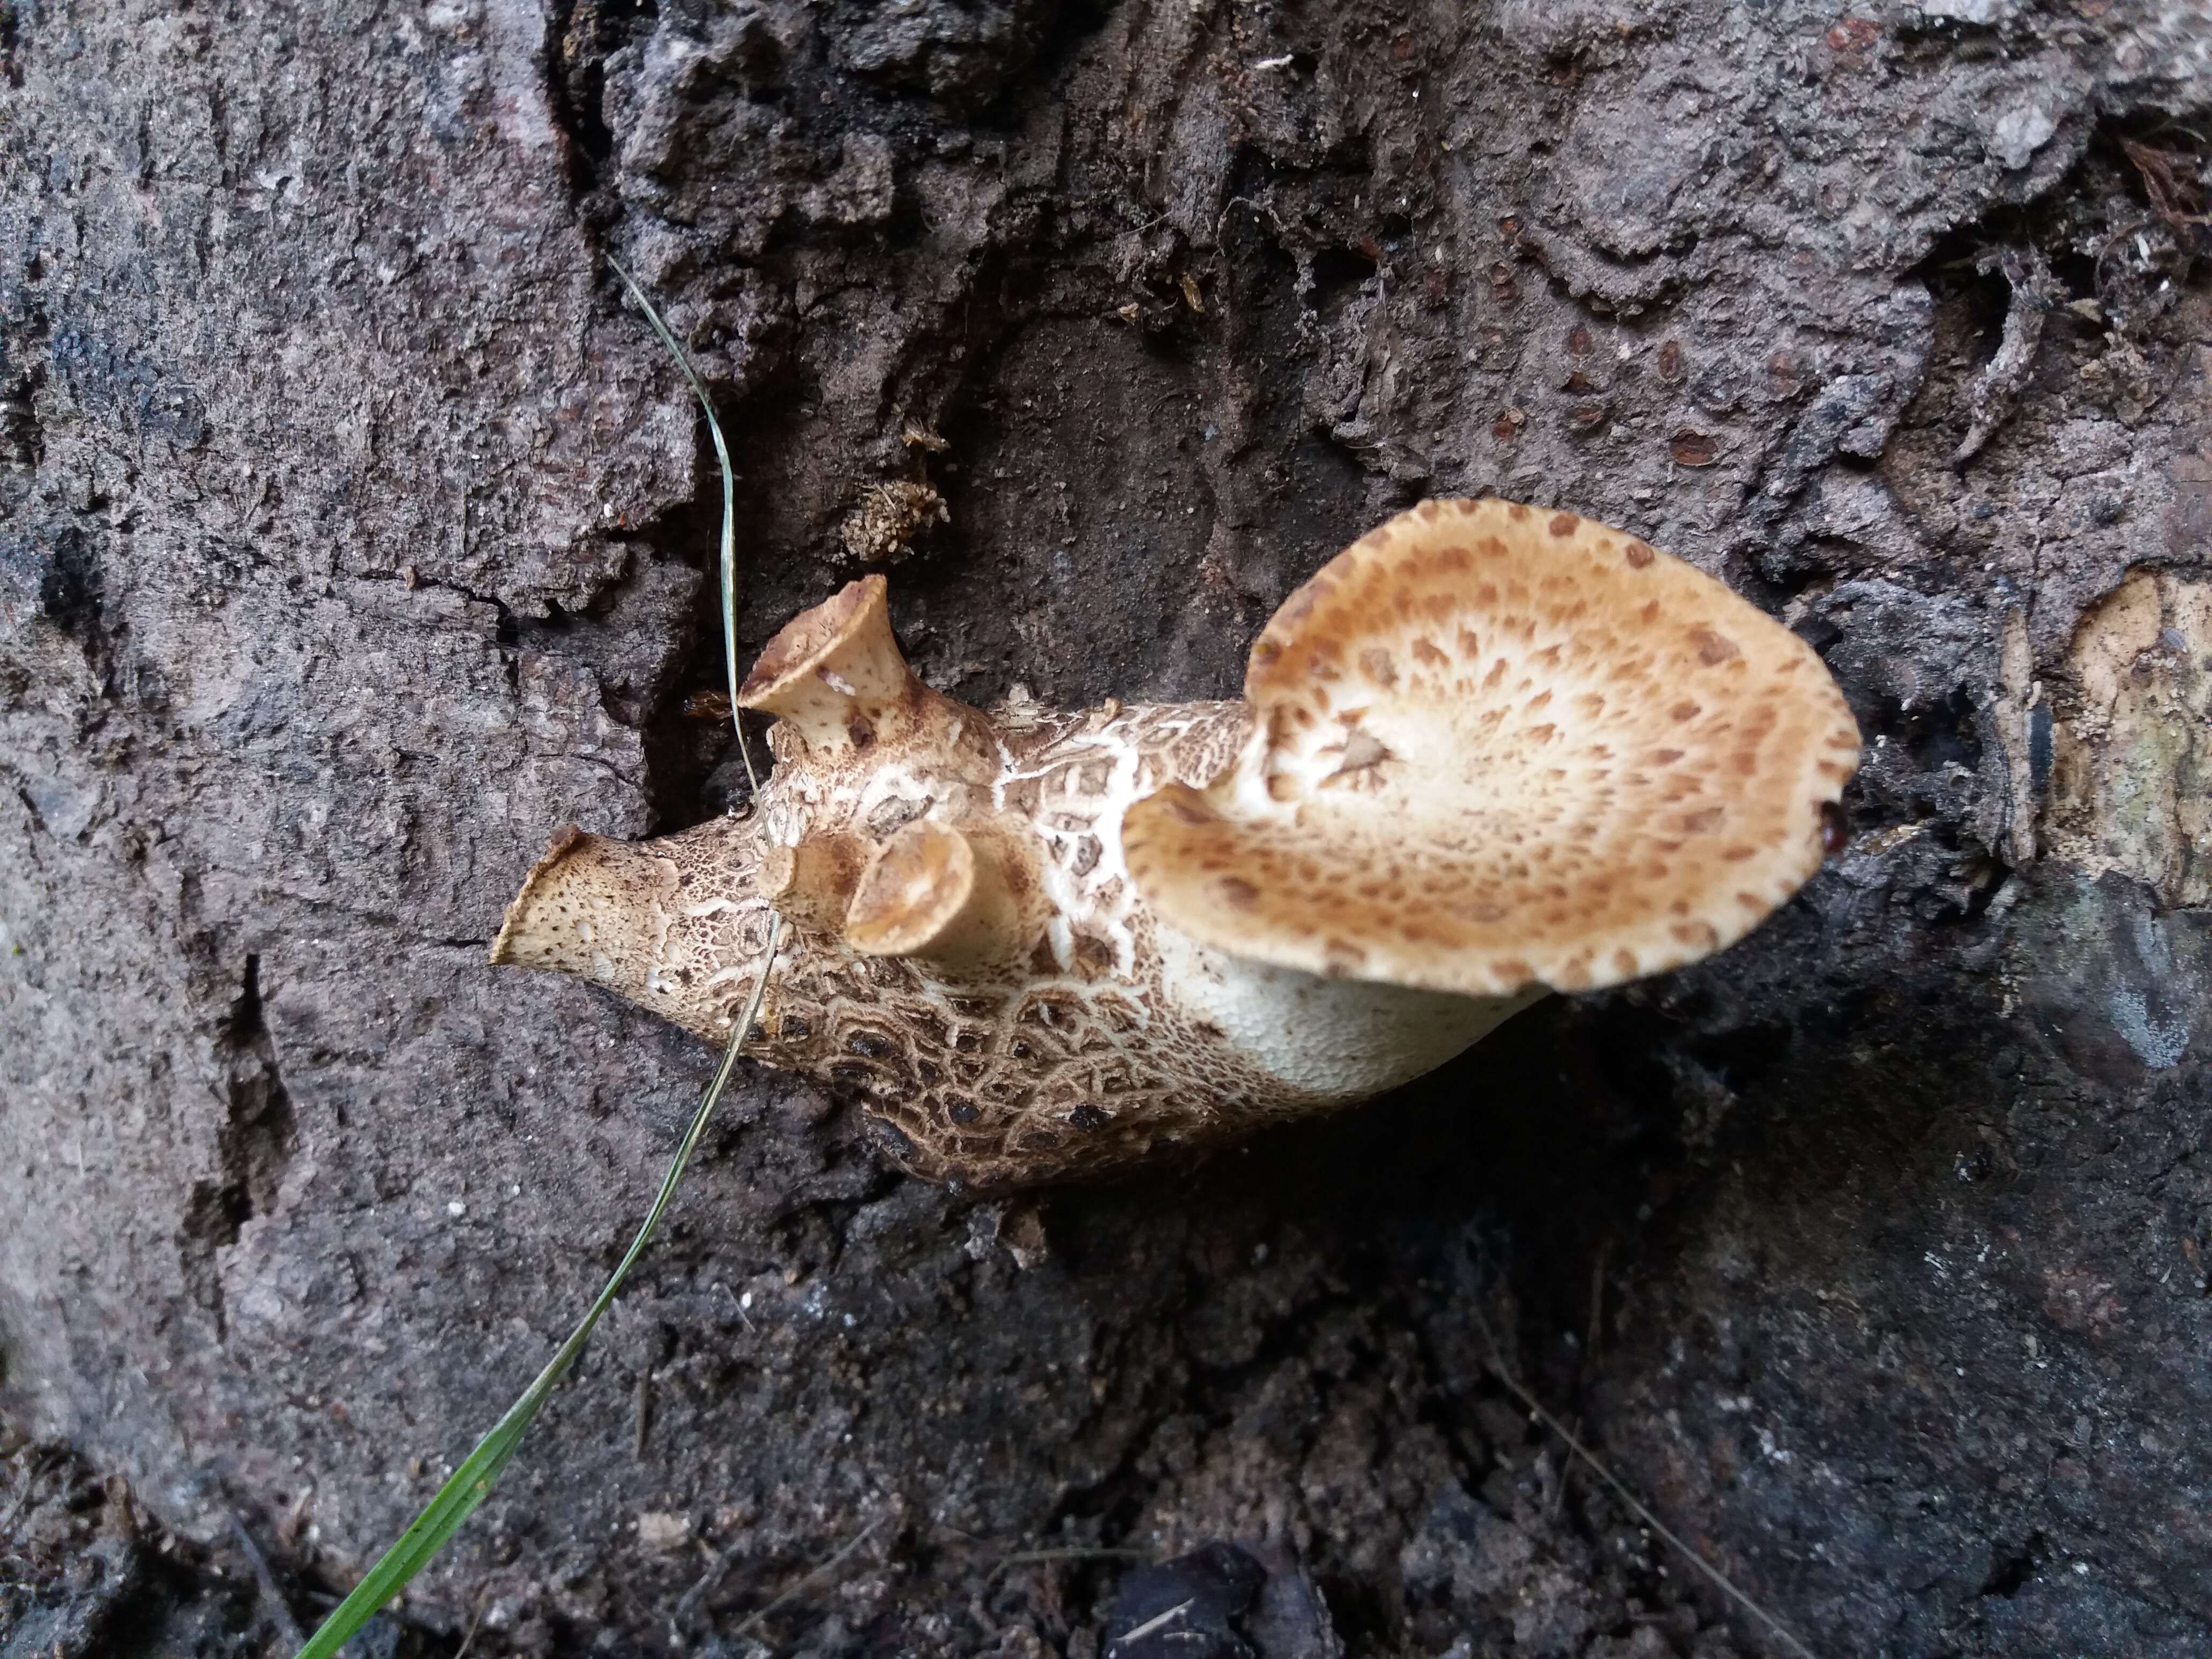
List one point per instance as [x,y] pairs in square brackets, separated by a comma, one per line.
[1493,745]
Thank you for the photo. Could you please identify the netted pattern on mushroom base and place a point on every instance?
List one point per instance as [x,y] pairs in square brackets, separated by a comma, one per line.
[1494,744]
[1070,1059]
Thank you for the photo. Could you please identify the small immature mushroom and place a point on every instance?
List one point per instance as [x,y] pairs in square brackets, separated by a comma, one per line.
[1488,751]
[959,898]
[833,674]
[812,885]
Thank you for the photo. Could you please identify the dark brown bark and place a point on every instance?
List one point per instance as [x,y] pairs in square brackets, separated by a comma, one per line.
[354,536]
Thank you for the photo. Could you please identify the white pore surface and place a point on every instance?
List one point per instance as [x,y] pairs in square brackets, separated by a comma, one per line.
[1342,1040]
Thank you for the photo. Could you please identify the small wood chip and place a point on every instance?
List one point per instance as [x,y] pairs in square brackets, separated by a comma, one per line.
[1692,449]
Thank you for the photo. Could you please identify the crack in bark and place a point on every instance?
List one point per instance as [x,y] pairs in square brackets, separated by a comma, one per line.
[253,1149]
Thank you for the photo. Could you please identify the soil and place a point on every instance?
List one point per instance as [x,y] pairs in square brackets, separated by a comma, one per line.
[353,537]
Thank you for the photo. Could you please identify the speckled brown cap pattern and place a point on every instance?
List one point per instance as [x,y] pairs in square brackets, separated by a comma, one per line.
[1495,745]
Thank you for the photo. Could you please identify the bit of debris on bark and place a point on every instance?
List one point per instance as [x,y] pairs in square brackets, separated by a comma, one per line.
[883,528]
[2001,380]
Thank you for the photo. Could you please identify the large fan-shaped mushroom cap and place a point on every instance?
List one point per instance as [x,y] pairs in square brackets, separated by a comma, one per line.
[1494,744]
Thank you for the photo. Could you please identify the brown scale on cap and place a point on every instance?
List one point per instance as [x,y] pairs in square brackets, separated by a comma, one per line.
[1488,749]
[1495,745]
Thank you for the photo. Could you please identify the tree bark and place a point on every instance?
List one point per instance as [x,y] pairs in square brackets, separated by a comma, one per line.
[355,537]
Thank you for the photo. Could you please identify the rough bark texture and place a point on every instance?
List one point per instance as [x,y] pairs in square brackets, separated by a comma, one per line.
[354,536]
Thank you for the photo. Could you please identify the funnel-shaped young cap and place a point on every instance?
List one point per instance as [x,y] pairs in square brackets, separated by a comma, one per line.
[939,892]
[1494,744]
[812,884]
[834,673]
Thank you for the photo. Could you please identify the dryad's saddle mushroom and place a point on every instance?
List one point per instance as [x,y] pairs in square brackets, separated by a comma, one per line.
[1487,751]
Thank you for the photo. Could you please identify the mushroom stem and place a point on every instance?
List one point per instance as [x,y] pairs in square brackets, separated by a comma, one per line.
[676,924]
[1330,1040]
[812,882]
[954,897]
[589,908]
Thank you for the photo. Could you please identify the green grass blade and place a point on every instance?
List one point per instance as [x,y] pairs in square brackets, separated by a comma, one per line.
[472,1482]
[729,560]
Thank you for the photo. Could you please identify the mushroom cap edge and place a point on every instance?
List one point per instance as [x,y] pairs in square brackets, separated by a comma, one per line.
[1495,744]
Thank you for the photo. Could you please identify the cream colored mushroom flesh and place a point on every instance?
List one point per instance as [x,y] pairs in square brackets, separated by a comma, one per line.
[1488,751]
